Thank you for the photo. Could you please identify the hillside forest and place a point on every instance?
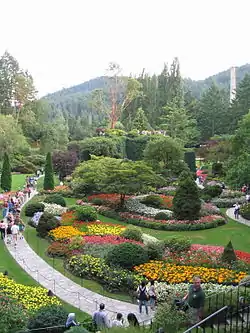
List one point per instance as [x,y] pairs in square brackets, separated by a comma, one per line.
[126,117]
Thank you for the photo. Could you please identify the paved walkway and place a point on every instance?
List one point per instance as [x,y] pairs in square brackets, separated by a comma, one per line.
[66,289]
[230,213]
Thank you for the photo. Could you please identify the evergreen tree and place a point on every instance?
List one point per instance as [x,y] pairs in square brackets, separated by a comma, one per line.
[186,203]
[48,183]
[140,121]
[228,254]
[6,179]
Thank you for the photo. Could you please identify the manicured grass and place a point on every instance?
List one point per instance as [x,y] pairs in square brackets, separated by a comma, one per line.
[238,233]
[18,182]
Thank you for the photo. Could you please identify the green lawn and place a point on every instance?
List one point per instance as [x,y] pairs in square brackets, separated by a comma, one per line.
[18,182]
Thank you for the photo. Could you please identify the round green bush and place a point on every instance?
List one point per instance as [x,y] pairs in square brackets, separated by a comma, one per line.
[97,201]
[32,208]
[46,223]
[245,211]
[161,216]
[48,316]
[155,250]
[127,255]
[55,199]
[132,232]
[86,213]
[152,200]
[177,244]
[212,190]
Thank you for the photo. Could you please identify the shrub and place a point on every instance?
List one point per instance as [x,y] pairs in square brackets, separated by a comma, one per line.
[48,316]
[155,250]
[213,191]
[177,245]
[97,201]
[228,254]
[127,255]
[86,213]
[245,211]
[132,232]
[32,208]
[161,216]
[46,223]
[76,243]
[153,201]
[6,179]
[48,183]
[58,249]
[217,169]
[97,250]
[228,202]
[56,199]
[189,158]
[186,203]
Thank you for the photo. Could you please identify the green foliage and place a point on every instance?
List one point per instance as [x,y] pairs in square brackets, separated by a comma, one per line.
[245,211]
[189,158]
[97,201]
[126,255]
[46,223]
[32,208]
[186,203]
[161,216]
[55,199]
[48,316]
[140,121]
[86,213]
[6,179]
[78,329]
[98,146]
[13,316]
[217,169]
[155,250]
[212,190]
[97,250]
[237,173]
[135,147]
[132,232]
[228,255]
[48,183]
[177,244]
[152,200]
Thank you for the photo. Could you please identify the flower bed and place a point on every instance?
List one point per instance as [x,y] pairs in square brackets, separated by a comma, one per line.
[54,209]
[32,298]
[64,232]
[162,271]
[99,228]
[207,208]
[114,279]
[109,239]
[68,218]
[228,202]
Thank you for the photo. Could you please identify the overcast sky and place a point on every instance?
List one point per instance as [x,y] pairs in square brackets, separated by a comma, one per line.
[66,42]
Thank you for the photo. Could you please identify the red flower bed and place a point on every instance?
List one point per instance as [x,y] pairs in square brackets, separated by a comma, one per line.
[106,197]
[110,239]
[245,256]
[167,201]
[68,218]
[204,219]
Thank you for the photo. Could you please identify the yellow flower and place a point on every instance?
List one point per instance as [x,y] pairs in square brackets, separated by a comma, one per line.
[64,232]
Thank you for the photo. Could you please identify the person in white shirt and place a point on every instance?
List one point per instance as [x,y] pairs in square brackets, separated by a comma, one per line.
[118,322]
[14,232]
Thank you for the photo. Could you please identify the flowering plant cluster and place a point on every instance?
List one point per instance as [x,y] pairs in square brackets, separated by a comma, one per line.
[109,239]
[228,202]
[59,188]
[68,218]
[135,205]
[231,194]
[170,273]
[167,201]
[64,232]
[35,219]
[32,298]
[54,209]
[99,228]
[207,208]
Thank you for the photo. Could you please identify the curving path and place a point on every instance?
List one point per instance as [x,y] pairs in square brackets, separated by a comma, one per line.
[69,291]
[230,213]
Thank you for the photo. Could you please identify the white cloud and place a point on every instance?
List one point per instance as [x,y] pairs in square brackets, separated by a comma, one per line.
[65,42]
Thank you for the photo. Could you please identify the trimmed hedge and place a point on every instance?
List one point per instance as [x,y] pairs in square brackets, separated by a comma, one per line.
[135,147]
[32,208]
[55,199]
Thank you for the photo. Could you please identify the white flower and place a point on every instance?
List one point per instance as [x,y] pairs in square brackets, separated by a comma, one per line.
[54,209]
[147,239]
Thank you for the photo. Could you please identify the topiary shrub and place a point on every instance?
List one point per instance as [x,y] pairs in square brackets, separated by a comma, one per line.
[245,211]
[212,191]
[161,216]
[86,213]
[55,199]
[155,250]
[48,183]
[132,232]
[48,316]
[187,203]
[6,179]
[228,254]
[46,223]
[32,208]
[152,201]
[177,245]
[127,255]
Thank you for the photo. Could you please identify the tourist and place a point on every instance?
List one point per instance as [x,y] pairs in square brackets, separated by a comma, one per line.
[143,296]
[152,295]
[132,320]
[236,210]
[15,232]
[71,320]
[8,232]
[118,322]
[100,319]
[21,227]
[195,299]
[2,229]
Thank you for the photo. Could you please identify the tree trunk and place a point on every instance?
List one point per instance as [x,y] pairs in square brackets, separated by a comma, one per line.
[122,200]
